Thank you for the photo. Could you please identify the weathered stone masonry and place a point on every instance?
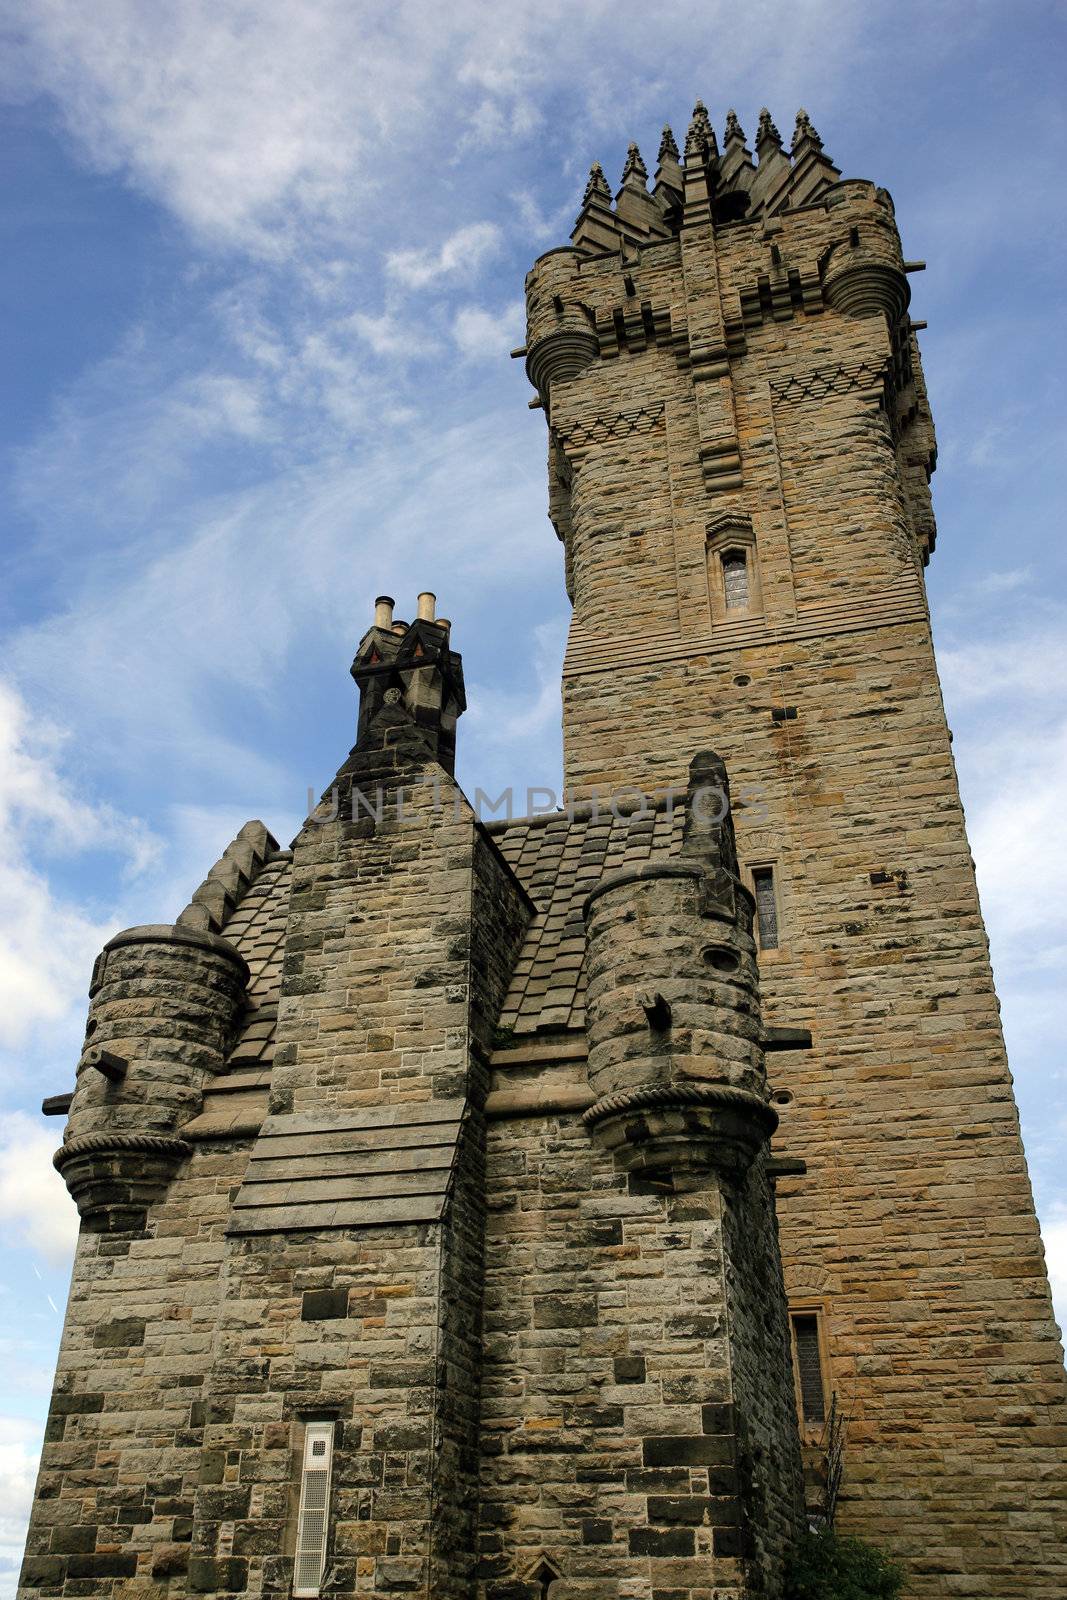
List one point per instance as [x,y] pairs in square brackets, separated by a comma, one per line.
[471,1143]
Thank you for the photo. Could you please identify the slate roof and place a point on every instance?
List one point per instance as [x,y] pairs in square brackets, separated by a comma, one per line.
[558,860]
[235,1102]
[257,928]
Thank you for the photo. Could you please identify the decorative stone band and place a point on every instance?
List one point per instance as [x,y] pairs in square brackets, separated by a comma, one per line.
[114,1178]
[681,1127]
[589,651]
[155,1143]
[598,430]
[818,382]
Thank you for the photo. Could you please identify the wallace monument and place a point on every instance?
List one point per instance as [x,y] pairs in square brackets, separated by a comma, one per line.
[577,1206]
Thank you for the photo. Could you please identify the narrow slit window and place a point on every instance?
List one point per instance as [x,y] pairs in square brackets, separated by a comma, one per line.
[313,1517]
[735,580]
[807,1354]
[766,907]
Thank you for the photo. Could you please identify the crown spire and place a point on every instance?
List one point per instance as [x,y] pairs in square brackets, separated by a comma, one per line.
[596,186]
[696,139]
[767,132]
[735,134]
[635,167]
[640,214]
[669,184]
[668,146]
[804,132]
[596,229]
[700,116]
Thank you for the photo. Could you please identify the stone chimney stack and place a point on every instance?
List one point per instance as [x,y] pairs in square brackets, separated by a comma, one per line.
[408,676]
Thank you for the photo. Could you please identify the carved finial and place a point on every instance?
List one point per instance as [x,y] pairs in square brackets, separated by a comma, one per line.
[700,116]
[804,131]
[597,185]
[696,141]
[734,130]
[635,167]
[767,131]
[668,146]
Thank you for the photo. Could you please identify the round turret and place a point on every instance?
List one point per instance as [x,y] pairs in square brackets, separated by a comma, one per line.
[165,1004]
[673,1013]
[561,339]
[865,275]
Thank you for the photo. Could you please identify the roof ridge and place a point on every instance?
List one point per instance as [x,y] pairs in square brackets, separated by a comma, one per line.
[585,810]
[229,880]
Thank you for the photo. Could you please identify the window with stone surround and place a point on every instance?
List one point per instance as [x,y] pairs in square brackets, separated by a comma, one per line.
[768,920]
[313,1517]
[734,589]
[809,1366]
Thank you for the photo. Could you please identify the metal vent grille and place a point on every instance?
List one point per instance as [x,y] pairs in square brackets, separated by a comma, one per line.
[735,580]
[809,1368]
[313,1517]
[766,907]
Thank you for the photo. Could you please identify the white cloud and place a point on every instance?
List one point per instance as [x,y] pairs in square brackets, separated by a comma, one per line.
[214,617]
[541,225]
[35,801]
[20,1448]
[34,1204]
[516,730]
[486,335]
[1005,696]
[129,434]
[1018,839]
[388,335]
[47,947]
[48,941]
[461,255]
[1027,657]
[1054,1234]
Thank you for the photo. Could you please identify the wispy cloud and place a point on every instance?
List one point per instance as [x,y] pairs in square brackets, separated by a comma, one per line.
[461,255]
[483,335]
[267,129]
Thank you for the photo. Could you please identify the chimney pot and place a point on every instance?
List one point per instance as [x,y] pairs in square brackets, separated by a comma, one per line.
[383,611]
[427,605]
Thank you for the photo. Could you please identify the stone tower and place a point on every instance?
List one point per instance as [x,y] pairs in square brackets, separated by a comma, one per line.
[740,449]
[431,1171]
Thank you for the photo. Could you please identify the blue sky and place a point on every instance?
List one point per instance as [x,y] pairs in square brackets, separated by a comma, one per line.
[260,269]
